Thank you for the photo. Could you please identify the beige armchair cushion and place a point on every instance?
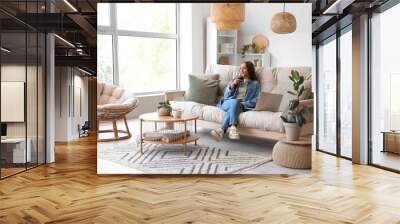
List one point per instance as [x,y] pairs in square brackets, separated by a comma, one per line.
[110,97]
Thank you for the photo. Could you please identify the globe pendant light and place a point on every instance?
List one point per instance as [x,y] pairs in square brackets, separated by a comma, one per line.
[283,22]
[227,16]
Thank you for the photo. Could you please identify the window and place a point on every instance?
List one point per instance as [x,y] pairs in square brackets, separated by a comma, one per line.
[156,18]
[335,94]
[139,49]
[394,101]
[104,59]
[147,64]
[327,97]
[385,88]
[346,94]
[104,14]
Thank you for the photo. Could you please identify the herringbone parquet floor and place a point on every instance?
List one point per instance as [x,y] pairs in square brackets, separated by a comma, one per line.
[70,191]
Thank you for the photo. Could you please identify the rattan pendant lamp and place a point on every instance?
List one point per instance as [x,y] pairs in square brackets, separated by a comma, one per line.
[283,22]
[227,16]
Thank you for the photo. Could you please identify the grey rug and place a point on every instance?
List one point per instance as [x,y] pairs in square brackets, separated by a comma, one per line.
[170,159]
[255,151]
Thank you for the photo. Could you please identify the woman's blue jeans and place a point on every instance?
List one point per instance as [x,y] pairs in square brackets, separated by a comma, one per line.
[232,107]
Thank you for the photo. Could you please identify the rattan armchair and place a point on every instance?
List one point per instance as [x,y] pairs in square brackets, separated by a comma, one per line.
[113,104]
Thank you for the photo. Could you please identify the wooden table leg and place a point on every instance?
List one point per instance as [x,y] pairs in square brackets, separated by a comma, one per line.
[141,136]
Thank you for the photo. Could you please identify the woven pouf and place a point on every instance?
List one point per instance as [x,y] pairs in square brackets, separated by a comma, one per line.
[293,154]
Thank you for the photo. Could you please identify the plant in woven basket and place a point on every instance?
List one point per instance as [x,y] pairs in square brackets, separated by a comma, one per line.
[294,117]
[164,108]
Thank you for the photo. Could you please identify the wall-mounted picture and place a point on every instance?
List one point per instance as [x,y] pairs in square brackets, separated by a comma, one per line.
[204,88]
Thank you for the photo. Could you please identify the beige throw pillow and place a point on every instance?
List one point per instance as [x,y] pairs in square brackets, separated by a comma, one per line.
[207,76]
[269,102]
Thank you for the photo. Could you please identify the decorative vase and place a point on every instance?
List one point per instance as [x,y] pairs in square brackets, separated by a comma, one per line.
[292,131]
[164,111]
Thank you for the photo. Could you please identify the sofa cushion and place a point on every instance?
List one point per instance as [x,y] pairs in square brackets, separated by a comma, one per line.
[226,74]
[213,113]
[202,90]
[268,102]
[266,78]
[264,120]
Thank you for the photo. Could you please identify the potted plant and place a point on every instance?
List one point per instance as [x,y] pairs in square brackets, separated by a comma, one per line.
[248,48]
[294,117]
[164,108]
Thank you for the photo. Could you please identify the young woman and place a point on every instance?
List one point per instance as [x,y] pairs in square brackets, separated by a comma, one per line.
[241,94]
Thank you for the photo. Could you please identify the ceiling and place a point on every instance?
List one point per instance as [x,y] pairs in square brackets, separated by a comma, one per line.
[76,22]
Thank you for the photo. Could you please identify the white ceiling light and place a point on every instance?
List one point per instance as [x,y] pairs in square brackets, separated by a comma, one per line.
[337,7]
[64,40]
[70,5]
[5,50]
[84,71]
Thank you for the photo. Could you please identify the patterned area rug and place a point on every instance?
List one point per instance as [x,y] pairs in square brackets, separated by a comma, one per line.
[170,159]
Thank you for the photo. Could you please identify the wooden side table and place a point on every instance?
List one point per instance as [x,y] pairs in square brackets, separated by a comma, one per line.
[293,154]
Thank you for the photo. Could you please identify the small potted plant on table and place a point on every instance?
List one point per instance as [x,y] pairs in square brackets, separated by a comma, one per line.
[294,117]
[164,108]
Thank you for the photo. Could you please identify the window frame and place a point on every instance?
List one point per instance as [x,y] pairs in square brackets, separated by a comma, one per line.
[115,33]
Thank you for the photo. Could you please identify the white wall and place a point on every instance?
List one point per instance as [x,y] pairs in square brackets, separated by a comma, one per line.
[286,49]
[185,41]
[293,49]
[193,27]
[200,12]
[67,112]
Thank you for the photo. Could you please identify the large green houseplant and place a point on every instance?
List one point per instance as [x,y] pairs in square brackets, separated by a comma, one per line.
[296,114]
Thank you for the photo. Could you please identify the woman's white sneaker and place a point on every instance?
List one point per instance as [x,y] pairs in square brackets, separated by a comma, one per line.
[218,134]
[233,133]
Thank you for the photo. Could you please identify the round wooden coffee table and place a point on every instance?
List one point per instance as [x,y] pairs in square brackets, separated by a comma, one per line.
[293,154]
[154,117]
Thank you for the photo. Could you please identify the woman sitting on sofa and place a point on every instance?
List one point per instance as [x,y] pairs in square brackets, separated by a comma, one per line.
[241,94]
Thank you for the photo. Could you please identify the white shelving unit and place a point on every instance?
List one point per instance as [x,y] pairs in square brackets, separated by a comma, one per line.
[218,51]
[221,45]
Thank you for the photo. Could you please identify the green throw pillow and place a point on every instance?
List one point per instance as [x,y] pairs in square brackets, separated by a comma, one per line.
[202,90]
